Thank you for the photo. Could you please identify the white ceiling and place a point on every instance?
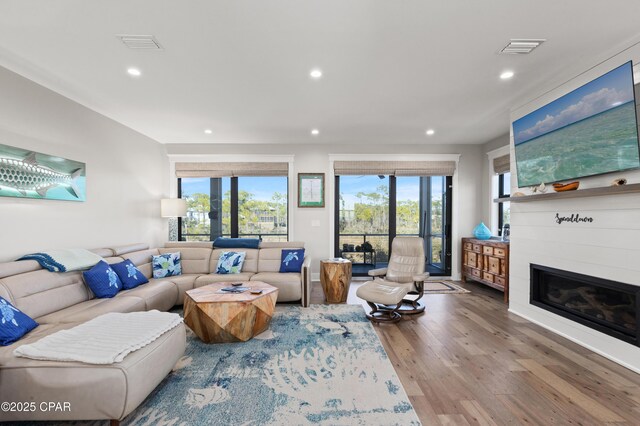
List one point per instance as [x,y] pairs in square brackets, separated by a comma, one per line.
[392,69]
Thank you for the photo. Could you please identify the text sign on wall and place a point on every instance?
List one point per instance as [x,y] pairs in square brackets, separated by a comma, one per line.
[574,218]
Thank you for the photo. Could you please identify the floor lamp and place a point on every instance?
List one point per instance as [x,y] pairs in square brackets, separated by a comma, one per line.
[173,208]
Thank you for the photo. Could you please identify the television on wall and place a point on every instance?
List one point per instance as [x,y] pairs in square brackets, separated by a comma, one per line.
[590,131]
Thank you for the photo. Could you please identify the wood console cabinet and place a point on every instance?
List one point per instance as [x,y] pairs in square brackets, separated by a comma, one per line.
[486,261]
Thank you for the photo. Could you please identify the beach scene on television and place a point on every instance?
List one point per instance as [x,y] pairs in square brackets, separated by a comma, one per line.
[589,131]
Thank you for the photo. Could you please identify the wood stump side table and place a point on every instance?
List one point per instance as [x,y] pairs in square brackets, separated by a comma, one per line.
[335,276]
[229,317]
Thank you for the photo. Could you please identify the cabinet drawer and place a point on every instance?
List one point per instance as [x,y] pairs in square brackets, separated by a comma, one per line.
[487,250]
[468,246]
[472,259]
[475,273]
[499,252]
[477,248]
[487,276]
[493,265]
[499,280]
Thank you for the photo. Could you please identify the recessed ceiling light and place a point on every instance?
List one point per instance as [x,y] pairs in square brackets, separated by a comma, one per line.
[315,73]
[430,132]
[134,72]
[315,132]
[208,131]
[506,75]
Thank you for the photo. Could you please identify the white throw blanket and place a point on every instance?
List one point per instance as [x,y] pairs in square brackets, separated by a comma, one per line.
[102,340]
[64,260]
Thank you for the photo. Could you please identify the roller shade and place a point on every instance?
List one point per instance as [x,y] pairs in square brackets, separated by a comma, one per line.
[502,164]
[190,170]
[395,168]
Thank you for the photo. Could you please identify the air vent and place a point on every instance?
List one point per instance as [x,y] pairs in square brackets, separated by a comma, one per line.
[521,46]
[140,42]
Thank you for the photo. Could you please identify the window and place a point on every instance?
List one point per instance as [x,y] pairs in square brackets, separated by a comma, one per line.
[504,208]
[248,206]
[377,208]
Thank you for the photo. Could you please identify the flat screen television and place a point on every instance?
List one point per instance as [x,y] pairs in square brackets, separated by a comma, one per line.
[590,131]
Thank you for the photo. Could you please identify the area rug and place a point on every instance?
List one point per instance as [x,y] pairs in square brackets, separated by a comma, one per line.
[318,365]
[443,287]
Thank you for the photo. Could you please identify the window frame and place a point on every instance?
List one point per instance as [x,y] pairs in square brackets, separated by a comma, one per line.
[502,194]
[425,191]
[234,201]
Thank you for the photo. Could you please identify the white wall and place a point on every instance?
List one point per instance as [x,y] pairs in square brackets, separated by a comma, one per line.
[607,248]
[311,158]
[126,175]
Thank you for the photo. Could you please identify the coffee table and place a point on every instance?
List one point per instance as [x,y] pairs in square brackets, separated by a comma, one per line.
[229,317]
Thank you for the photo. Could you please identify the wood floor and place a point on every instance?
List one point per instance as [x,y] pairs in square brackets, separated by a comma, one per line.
[467,361]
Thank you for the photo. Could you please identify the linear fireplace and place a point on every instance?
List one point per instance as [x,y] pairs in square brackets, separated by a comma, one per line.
[607,306]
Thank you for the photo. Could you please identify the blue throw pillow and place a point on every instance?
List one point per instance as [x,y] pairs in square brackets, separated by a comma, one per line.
[13,323]
[130,276]
[230,262]
[252,243]
[102,280]
[167,265]
[291,260]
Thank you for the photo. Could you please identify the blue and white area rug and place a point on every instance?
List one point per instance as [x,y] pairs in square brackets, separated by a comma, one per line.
[319,365]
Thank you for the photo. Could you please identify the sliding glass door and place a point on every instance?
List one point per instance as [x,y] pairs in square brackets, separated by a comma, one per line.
[374,209]
[362,225]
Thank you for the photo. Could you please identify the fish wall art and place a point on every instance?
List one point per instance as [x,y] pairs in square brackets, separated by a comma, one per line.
[28,174]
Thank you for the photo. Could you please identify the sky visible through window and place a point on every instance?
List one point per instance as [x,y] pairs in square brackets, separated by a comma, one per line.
[407,188]
[262,188]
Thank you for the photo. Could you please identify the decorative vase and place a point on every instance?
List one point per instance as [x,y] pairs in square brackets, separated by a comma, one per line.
[481,232]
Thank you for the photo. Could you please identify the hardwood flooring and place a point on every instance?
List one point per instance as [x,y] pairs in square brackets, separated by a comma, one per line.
[467,361]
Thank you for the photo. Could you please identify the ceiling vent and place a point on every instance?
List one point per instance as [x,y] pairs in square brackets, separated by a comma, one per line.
[521,46]
[147,42]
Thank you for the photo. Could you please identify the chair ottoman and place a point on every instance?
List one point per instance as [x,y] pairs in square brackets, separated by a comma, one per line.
[385,300]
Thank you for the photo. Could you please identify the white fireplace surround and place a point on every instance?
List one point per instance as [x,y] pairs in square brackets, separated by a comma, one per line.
[608,247]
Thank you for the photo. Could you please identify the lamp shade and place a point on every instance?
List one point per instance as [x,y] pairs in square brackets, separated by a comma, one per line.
[173,207]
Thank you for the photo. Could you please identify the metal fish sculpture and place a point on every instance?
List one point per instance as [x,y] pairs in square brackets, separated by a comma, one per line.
[28,175]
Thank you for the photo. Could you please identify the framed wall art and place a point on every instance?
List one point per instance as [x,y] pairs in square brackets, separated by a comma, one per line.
[310,189]
[28,174]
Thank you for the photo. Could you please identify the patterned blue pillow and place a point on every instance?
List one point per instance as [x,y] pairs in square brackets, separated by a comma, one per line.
[167,265]
[130,276]
[291,260]
[102,280]
[13,323]
[230,262]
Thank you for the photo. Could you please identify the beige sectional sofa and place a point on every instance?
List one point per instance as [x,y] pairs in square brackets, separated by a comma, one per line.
[58,301]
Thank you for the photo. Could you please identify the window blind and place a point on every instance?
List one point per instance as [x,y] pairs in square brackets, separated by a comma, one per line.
[231,169]
[502,164]
[395,168]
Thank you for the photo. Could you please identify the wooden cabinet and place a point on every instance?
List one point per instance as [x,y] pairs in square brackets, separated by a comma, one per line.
[486,261]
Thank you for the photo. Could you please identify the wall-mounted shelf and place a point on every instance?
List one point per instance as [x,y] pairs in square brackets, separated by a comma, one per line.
[590,192]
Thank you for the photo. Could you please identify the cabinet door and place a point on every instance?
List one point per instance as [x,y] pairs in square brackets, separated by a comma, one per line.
[493,265]
[472,259]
